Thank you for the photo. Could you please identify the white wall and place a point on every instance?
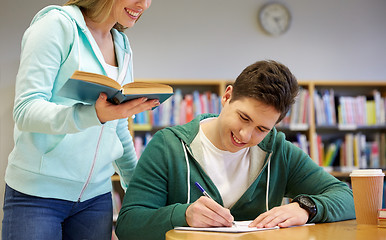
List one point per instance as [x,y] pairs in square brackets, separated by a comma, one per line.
[216,39]
[330,39]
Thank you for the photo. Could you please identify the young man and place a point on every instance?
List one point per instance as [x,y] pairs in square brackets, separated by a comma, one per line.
[242,162]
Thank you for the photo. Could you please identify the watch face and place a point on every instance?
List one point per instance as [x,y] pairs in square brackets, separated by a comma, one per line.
[306,202]
[274,18]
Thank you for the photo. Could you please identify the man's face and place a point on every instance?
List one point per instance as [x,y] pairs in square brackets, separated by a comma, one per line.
[244,122]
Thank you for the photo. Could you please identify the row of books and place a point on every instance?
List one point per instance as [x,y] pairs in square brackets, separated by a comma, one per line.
[351,152]
[298,115]
[302,142]
[180,109]
[351,110]
[325,113]
[360,111]
[140,143]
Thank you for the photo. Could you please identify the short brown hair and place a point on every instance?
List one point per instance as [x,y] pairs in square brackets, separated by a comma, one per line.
[96,10]
[269,82]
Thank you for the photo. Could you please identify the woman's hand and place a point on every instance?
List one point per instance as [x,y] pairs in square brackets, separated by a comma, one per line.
[205,212]
[107,111]
[284,216]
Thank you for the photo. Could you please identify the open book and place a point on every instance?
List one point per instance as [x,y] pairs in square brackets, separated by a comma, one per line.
[86,87]
[238,227]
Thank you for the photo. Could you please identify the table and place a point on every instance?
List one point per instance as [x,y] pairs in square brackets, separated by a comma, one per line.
[344,230]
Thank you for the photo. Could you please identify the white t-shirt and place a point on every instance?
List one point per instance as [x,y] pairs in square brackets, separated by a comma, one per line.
[112,71]
[228,171]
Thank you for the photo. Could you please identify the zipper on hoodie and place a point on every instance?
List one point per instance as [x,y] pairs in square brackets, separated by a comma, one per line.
[92,165]
[120,80]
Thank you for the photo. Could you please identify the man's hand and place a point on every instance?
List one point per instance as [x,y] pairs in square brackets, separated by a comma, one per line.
[284,216]
[205,212]
[107,111]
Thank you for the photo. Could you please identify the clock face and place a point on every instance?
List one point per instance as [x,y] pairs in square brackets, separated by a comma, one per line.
[274,18]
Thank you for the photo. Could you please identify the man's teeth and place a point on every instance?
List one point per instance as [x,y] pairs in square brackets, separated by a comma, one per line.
[132,13]
[236,140]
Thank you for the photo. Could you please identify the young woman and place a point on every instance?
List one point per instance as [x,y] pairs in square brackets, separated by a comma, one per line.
[58,175]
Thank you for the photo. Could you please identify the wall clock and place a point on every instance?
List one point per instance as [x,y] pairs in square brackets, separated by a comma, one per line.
[274,18]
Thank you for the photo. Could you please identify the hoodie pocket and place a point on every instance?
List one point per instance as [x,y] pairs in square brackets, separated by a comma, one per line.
[72,157]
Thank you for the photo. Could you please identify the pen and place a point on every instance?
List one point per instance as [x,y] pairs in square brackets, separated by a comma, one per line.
[208,196]
[202,190]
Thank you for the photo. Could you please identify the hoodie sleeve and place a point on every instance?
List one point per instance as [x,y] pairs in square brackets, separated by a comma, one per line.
[125,165]
[45,46]
[146,213]
[333,198]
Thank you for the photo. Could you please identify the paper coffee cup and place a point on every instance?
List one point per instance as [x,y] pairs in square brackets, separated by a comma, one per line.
[367,186]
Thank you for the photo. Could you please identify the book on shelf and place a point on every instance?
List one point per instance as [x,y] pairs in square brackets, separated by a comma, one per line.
[324,105]
[379,107]
[382,217]
[117,204]
[320,154]
[189,107]
[86,87]
[302,142]
[332,152]
[382,213]
[300,109]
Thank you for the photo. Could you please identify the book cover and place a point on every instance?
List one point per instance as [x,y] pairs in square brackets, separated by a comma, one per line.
[86,87]
[332,152]
[370,112]
[382,213]
[189,109]
[327,107]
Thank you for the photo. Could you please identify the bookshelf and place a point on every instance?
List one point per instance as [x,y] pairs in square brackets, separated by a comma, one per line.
[364,128]
[306,128]
[187,86]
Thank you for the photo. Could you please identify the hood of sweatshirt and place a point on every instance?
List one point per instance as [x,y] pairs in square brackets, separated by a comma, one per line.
[73,13]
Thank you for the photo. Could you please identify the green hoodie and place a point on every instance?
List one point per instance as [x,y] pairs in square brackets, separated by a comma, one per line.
[162,186]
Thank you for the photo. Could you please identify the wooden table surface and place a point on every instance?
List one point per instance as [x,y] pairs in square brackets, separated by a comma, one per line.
[345,230]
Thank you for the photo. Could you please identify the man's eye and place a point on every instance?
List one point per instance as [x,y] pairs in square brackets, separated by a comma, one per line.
[243,118]
[261,129]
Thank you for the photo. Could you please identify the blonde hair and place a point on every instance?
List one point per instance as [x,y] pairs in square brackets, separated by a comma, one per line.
[96,10]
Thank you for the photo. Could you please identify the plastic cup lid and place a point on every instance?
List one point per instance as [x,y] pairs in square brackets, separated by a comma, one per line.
[366,173]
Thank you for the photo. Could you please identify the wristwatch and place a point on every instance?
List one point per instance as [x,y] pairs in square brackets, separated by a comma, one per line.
[307,204]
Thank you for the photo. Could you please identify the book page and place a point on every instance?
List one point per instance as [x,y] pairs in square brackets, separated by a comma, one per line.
[96,78]
[146,88]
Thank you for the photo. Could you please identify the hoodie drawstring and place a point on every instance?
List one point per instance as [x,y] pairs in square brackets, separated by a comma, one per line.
[268,177]
[188,171]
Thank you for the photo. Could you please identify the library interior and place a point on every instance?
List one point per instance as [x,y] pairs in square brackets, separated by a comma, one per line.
[335,49]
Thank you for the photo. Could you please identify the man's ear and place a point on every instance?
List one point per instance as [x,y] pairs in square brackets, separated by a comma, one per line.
[226,97]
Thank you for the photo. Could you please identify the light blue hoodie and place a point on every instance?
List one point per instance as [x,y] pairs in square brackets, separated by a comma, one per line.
[61,149]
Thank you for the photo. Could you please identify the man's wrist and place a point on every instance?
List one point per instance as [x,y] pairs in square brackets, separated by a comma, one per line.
[307,204]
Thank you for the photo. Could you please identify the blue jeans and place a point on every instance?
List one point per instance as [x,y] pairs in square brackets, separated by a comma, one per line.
[30,217]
